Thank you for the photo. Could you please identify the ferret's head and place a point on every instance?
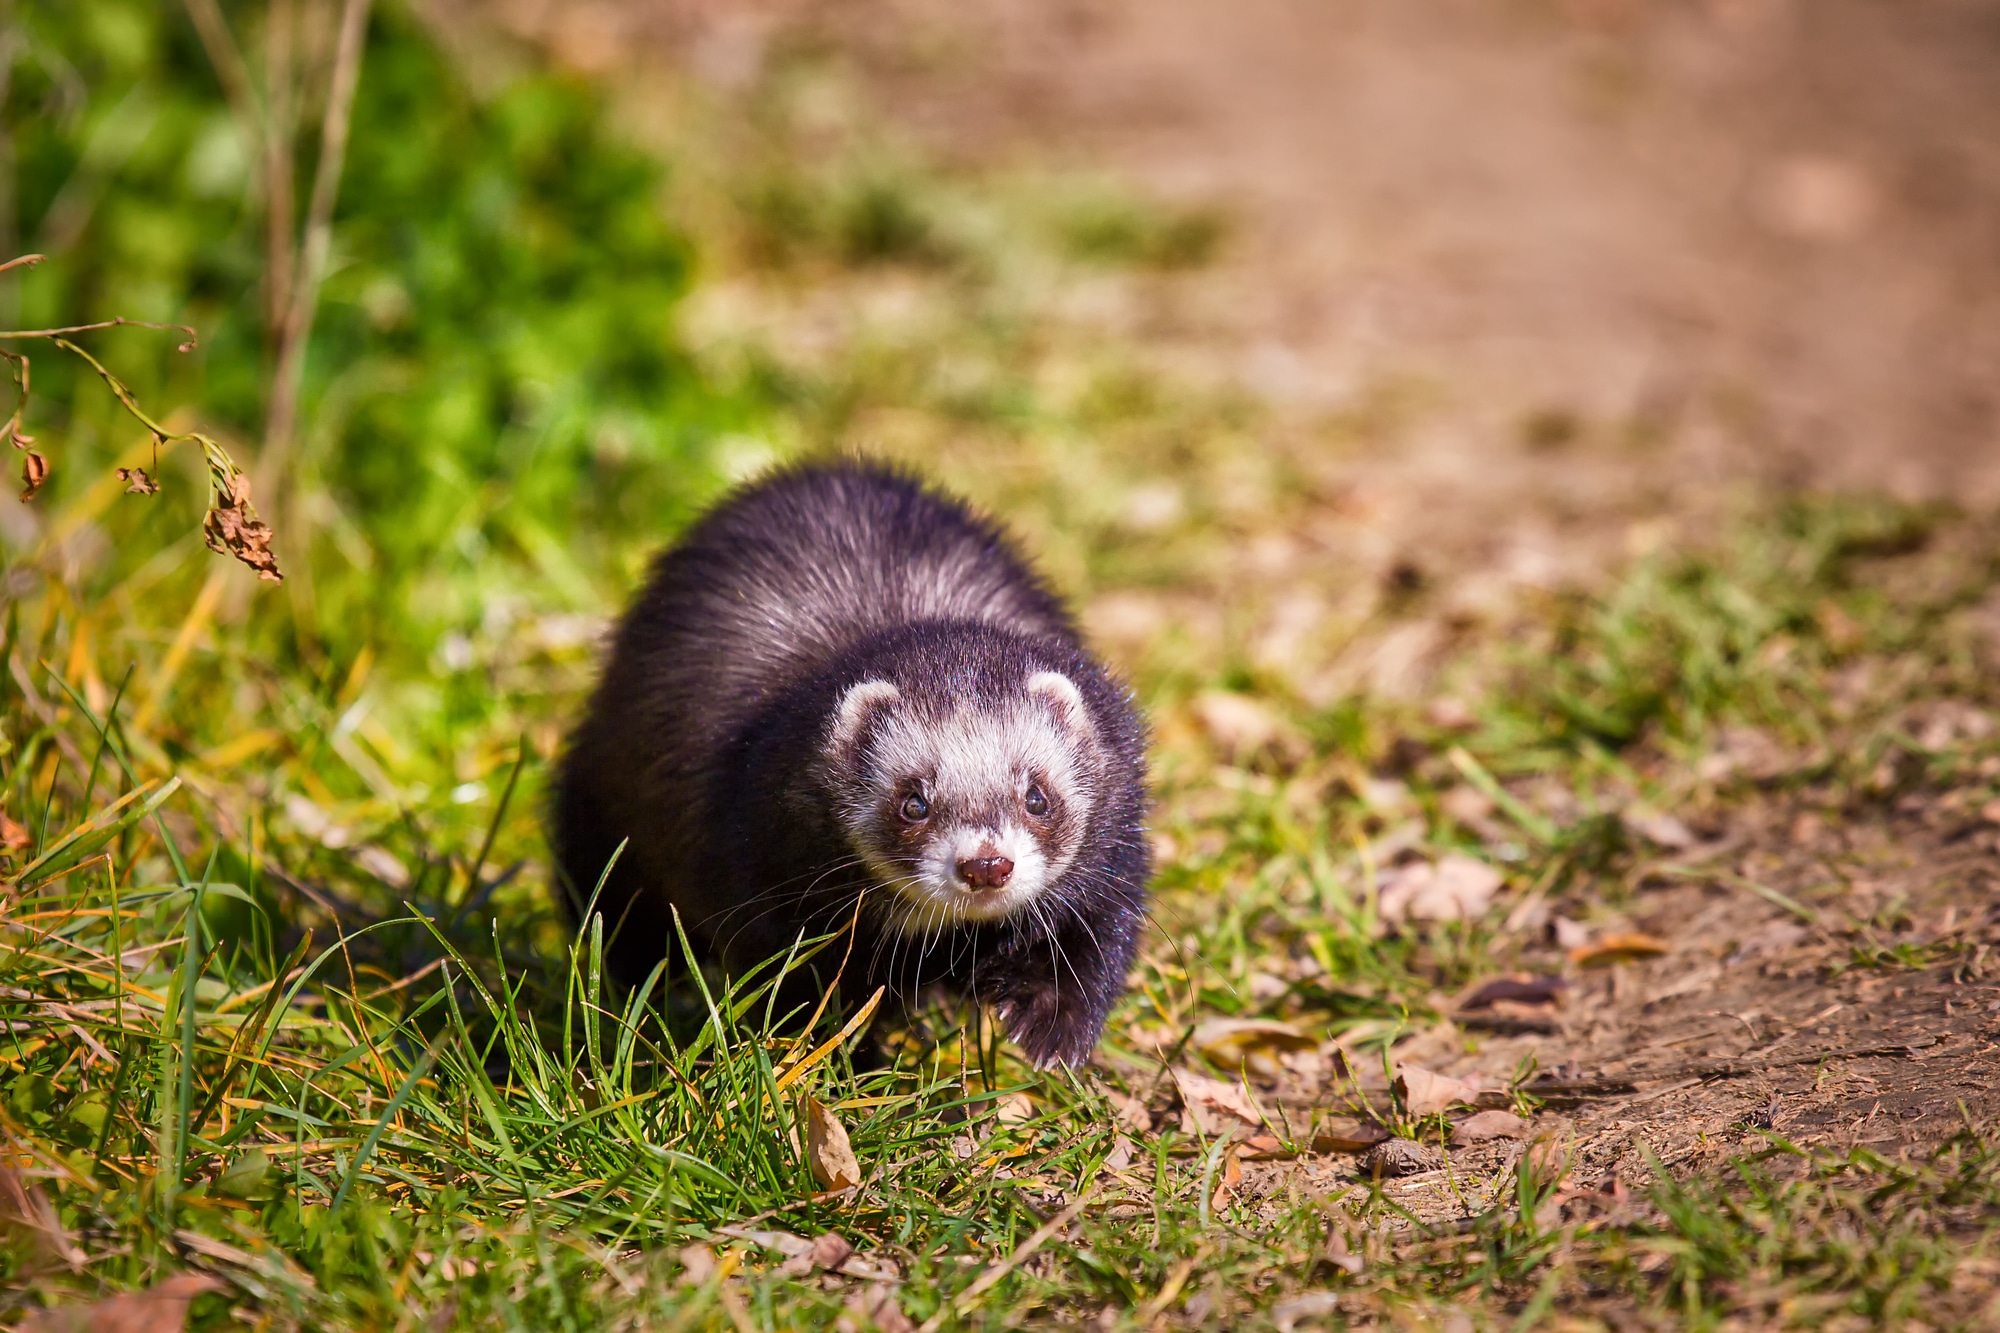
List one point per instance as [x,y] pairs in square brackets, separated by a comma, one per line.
[967,810]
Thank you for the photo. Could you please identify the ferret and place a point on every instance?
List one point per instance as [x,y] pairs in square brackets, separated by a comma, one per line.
[843,700]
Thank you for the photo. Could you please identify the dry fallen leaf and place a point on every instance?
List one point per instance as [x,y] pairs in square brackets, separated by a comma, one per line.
[1131,1112]
[25,1208]
[1457,888]
[1256,1042]
[827,1149]
[1228,1180]
[1521,988]
[1569,934]
[697,1264]
[1424,1093]
[1662,830]
[1287,1314]
[1349,1136]
[1214,1106]
[159,1309]
[1549,1159]
[828,1250]
[12,836]
[1016,1108]
[1489,1125]
[1244,729]
[1622,947]
[1990,812]
[874,1307]
[34,472]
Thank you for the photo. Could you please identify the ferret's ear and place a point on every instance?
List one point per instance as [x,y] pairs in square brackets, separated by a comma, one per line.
[857,706]
[1061,694]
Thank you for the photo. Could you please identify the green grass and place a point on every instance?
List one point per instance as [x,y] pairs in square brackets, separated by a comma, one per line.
[285,994]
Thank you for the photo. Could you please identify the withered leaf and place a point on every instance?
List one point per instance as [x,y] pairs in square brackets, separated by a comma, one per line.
[1016,1108]
[1424,1093]
[1228,1180]
[1618,948]
[1348,1136]
[1457,888]
[34,472]
[876,1308]
[12,836]
[697,1264]
[232,527]
[1214,1106]
[828,1152]
[1489,1125]
[1519,989]
[137,481]
[1235,1042]
[159,1309]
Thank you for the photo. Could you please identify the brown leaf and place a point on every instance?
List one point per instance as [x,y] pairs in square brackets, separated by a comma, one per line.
[34,471]
[1243,729]
[1489,1125]
[1131,1112]
[1662,830]
[827,1250]
[1520,989]
[24,1208]
[1457,888]
[1288,1314]
[158,1309]
[697,1264]
[232,527]
[827,1149]
[1622,947]
[12,836]
[1257,1042]
[1990,812]
[1016,1108]
[1549,1159]
[1424,1093]
[1228,1180]
[874,1306]
[1214,1106]
[1348,1136]
[137,482]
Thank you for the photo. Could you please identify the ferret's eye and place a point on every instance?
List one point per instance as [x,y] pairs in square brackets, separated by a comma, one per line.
[1036,803]
[915,809]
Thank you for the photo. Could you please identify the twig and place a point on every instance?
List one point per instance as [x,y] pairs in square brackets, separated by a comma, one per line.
[119,322]
[280,113]
[281,422]
[230,71]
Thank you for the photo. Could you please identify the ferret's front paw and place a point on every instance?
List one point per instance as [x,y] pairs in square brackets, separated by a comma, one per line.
[1050,1033]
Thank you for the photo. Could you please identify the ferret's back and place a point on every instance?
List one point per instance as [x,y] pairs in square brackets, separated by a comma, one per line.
[789,573]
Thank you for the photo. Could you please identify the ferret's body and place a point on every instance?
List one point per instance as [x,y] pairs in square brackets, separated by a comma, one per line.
[843,688]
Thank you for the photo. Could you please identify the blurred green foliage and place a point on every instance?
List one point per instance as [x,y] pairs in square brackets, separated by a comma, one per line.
[494,386]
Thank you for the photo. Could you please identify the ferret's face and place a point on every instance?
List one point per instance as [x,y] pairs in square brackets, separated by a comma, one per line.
[966,815]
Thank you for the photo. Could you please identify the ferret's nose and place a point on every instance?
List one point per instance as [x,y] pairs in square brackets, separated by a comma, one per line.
[985,872]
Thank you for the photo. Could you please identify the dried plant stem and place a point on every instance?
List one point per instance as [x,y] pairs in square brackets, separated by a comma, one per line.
[280,117]
[281,421]
[223,54]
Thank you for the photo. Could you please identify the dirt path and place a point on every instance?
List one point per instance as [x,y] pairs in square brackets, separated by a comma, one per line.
[1645,245]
